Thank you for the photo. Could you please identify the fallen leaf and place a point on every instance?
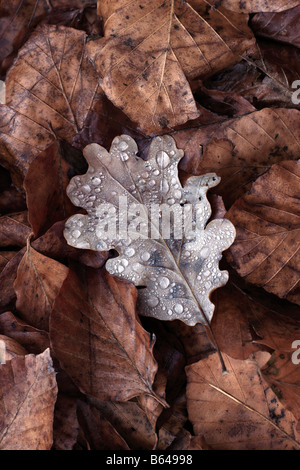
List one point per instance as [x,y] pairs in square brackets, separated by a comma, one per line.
[266,250]
[99,432]
[282,374]
[145,69]
[98,340]
[131,422]
[14,229]
[11,349]
[5,257]
[46,200]
[251,6]
[28,390]
[278,26]
[33,340]
[166,261]
[65,426]
[19,18]
[237,410]
[240,150]
[7,278]
[38,282]
[49,92]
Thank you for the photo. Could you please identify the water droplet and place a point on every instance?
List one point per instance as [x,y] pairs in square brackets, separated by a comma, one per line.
[170,312]
[124,156]
[177,194]
[165,187]
[164,282]
[156,172]
[204,252]
[120,268]
[123,145]
[207,284]
[96,180]
[171,201]
[162,159]
[129,252]
[178,308]
[86,188]
[125,262]
[76,233]
[152,183]
[84,245]
[145,256]
[206,273]
[153,301]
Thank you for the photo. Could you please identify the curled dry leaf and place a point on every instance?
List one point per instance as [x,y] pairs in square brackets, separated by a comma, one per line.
[49,92]
[146,68]
[266,250]
[237,411]
[179,266]
[28,393]
[14,229]
[98,339]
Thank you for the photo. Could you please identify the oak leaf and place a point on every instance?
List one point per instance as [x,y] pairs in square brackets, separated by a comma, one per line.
[28,393]
[179,271]
[266,250]
[151,49]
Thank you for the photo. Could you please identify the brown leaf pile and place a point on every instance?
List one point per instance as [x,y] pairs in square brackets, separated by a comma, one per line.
[81,367]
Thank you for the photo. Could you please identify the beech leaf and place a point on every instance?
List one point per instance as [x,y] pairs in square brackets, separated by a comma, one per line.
[266,249]
[237,411]
[28,393]
[98,339]
[179,269]
[50,90]
[151,50]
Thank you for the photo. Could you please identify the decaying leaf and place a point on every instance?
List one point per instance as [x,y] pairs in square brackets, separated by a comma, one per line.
[266,250]
[237,411]
[151,50]
[251,6]
[37,284]
[98,339]
[28,392]
[49,92]
[178,265]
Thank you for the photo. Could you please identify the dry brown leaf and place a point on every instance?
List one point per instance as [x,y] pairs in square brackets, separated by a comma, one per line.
[47,201]
[65,426]
[38,282]
[237,411]
[49,92]
[164,262]
[240,150]
[28,393]
[99,432]
[14,229]
[152,49]
[283,375]
[33,340]
[278,26]
[130,421]
[10,349]
[251,6]
[99,340]
[266,250]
